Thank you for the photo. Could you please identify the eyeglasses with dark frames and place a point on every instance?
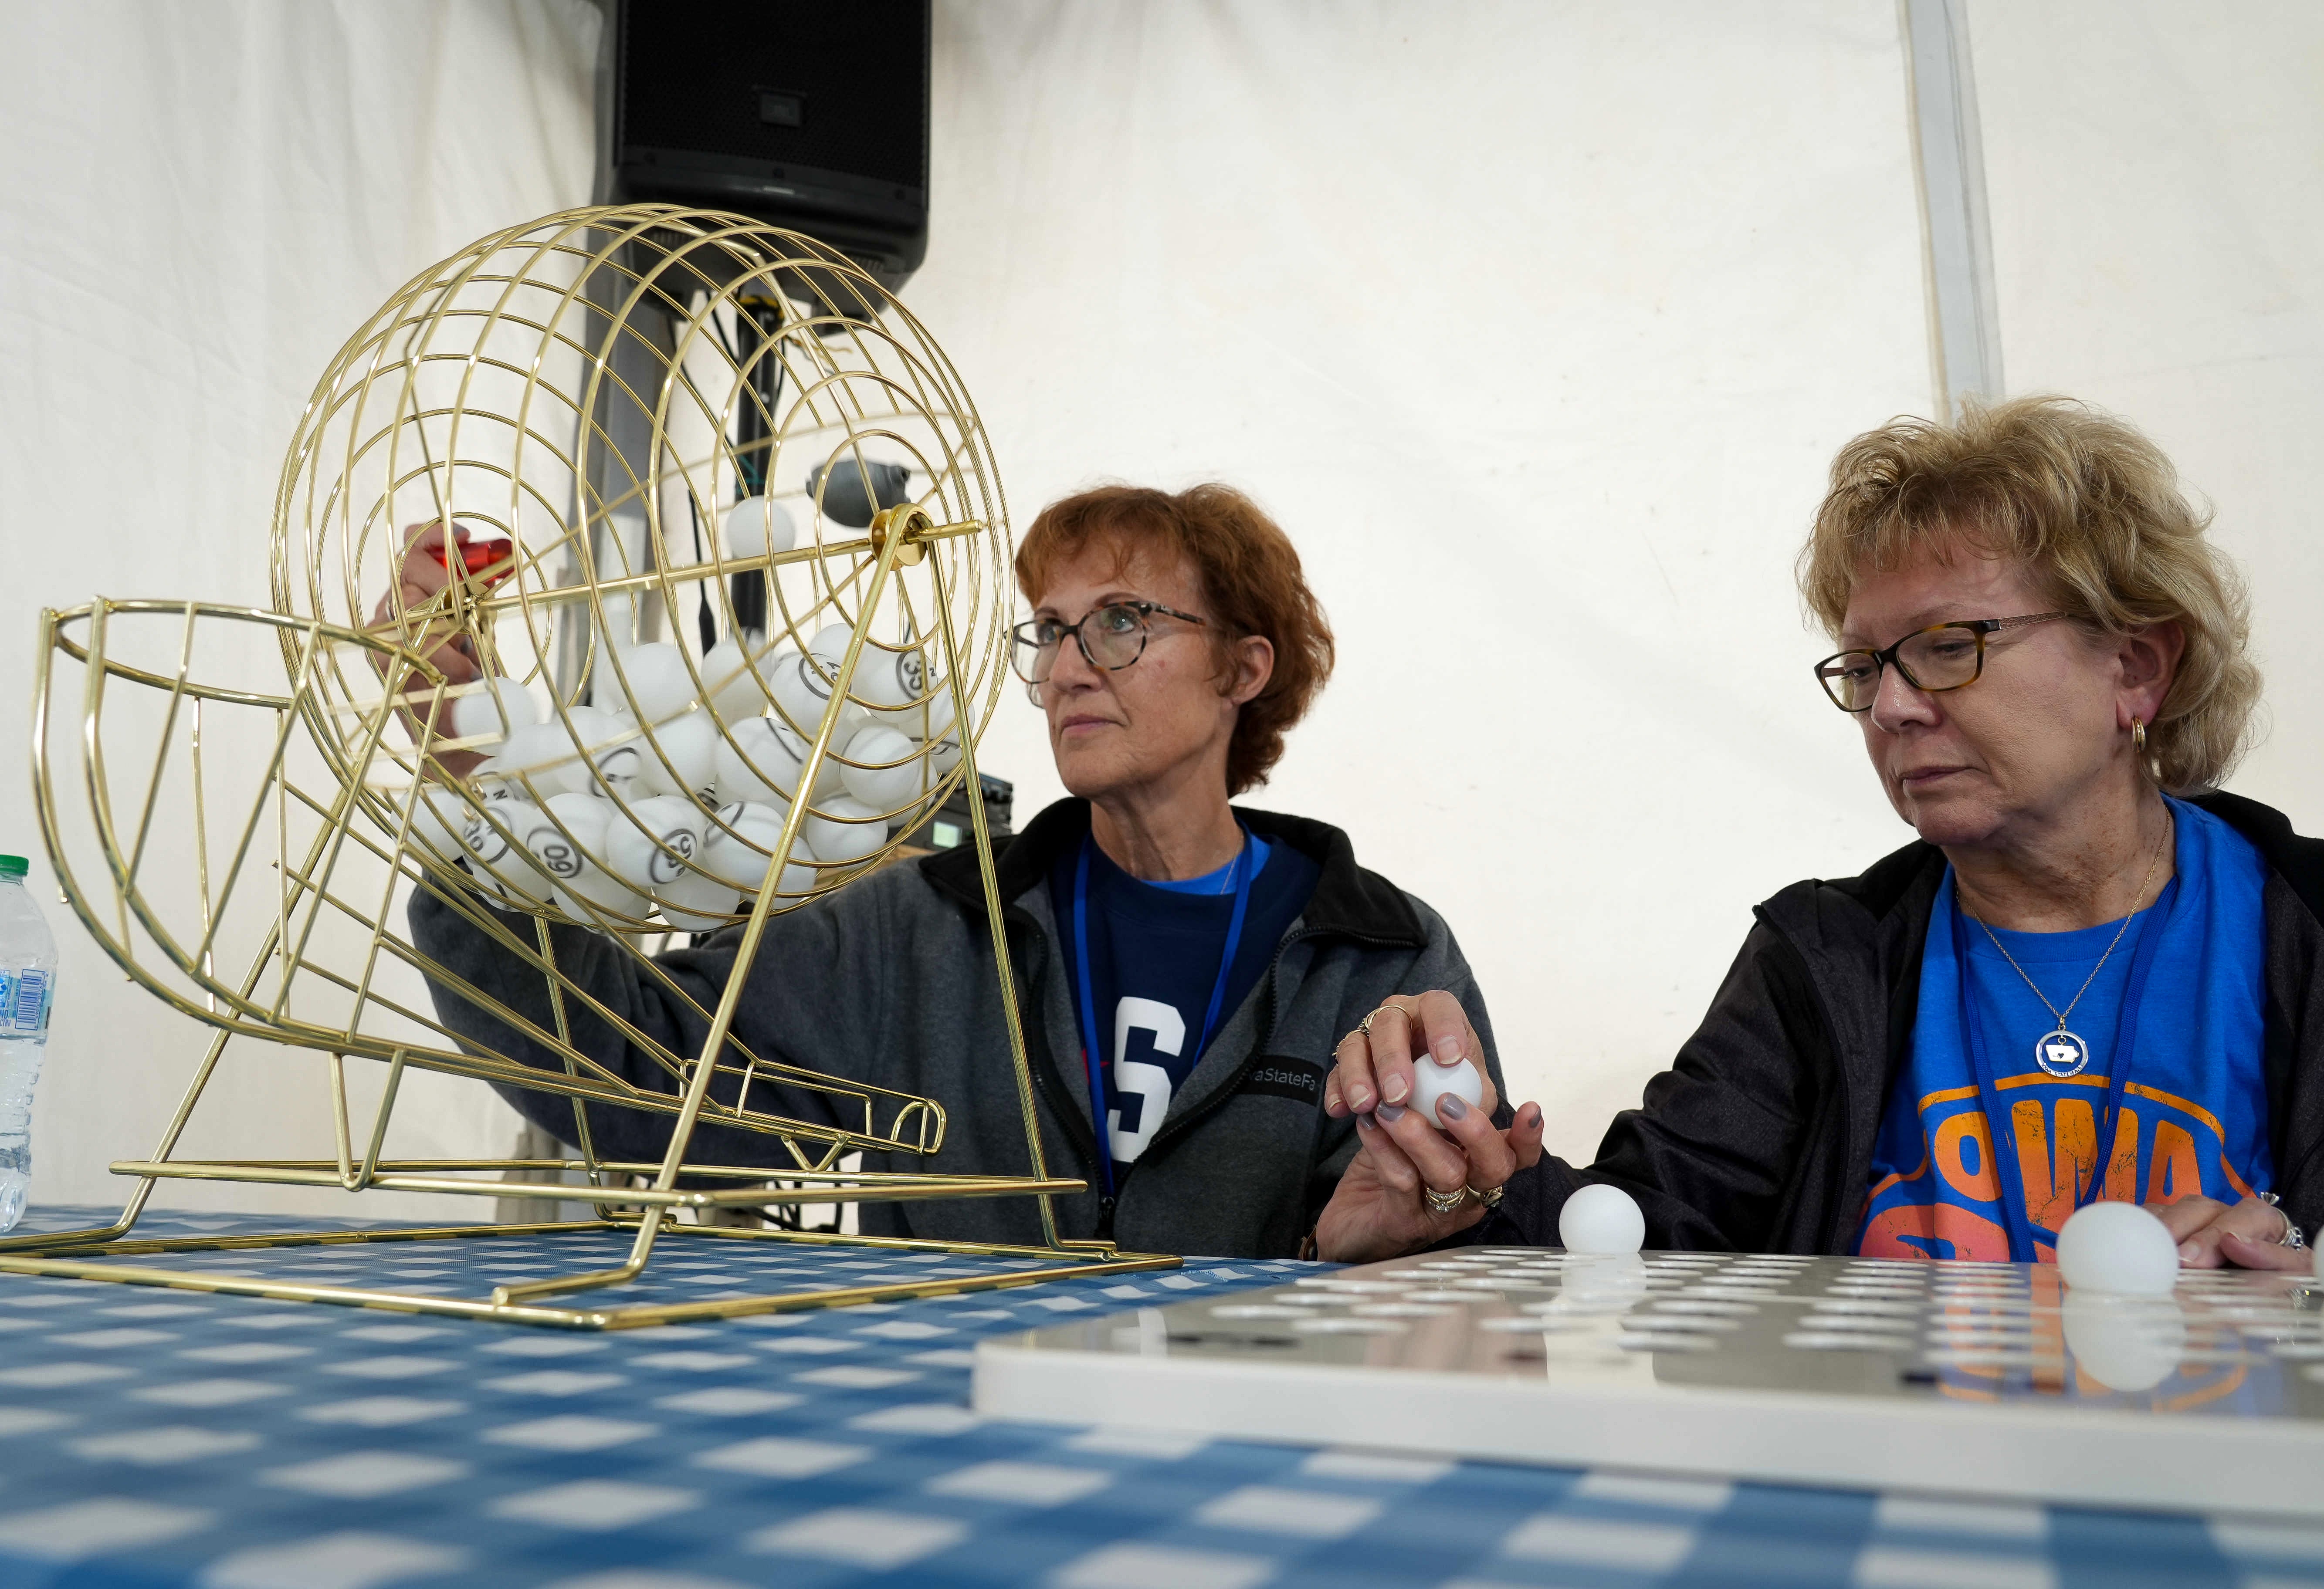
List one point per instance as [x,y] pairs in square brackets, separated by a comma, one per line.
[1110,638]
[1942,656]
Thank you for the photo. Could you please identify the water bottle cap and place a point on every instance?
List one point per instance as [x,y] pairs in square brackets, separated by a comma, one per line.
[13,866]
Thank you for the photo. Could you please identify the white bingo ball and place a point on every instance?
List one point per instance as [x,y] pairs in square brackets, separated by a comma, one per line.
[905,678]
[632,852]
[801,691]
[437,817]
[654,678]
[611,756]
[561,840]
[875,679]
[761,760]
[490,780]
[737,856]
[757,526]
[929,725]
[1600,1218]
[694,903]
[883,769]
[678,756]
[734,689]
[829,646]
[2118,1248]
[757,760]
[543,755]
[497,861]
[1431,1081]
[844,829]
[498,708]
[884,679]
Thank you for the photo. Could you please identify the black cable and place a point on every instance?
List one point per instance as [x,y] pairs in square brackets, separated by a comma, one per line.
[753,442]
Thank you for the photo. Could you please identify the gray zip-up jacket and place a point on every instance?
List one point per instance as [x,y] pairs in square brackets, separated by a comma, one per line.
[890,981]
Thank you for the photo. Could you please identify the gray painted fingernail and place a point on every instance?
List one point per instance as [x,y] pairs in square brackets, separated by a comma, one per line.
[1451,1108]
[1389,1114]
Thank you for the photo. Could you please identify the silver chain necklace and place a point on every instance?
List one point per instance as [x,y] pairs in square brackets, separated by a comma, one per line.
[2060,1053]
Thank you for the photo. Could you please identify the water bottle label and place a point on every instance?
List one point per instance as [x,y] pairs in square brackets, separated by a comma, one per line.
[24,1001]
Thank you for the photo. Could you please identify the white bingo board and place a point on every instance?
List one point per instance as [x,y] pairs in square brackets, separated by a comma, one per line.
[1982,1379]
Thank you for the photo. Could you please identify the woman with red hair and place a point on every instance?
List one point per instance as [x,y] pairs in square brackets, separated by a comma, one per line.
[1186,965]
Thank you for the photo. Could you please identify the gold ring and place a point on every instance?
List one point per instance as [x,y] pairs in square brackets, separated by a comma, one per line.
[1490,1197]
[1365,1025]
[1444,1202]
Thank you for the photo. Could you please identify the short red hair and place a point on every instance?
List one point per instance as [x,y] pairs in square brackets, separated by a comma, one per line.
[1251,583]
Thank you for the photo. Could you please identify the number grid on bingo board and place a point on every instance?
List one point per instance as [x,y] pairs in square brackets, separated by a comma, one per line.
[1984,1379]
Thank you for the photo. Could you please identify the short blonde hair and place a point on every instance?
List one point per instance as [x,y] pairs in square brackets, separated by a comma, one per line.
[2094,510]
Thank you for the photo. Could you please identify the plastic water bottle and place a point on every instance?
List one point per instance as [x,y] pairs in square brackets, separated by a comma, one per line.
[28,976]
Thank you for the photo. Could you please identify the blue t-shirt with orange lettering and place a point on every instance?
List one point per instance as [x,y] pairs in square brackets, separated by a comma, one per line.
[2192,1118]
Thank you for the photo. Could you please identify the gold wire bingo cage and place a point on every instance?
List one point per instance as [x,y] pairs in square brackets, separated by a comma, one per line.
[639,699]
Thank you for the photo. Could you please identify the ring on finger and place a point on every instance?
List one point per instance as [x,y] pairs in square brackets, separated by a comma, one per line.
[1444,1202]
[1490,1196]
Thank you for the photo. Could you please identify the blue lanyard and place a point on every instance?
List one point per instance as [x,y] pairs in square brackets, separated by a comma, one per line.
[1092,1045]
[2142,962]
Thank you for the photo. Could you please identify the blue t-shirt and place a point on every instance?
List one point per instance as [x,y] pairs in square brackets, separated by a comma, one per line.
[1154,952]
[2192,1116]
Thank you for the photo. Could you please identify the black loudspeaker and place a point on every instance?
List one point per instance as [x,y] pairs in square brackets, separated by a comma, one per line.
[808,113]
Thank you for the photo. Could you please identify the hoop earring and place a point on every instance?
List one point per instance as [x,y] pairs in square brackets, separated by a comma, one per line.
[2138,735]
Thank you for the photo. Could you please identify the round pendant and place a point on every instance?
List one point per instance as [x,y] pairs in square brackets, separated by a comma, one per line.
[2061,1053]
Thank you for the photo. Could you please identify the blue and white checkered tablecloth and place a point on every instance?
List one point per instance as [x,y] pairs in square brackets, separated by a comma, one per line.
[151,1438]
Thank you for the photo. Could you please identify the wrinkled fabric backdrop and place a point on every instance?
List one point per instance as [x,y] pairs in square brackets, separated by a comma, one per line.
[1536,325]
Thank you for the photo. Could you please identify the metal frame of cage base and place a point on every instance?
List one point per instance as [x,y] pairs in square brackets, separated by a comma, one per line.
[68,1254]
[65,1262]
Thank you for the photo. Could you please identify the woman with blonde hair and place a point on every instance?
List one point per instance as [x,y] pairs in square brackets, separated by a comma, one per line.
[2093,976]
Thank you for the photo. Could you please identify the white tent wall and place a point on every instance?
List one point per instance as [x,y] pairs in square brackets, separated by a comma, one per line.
[1536,324]
[2155,173]
[1537,327]
[199,203]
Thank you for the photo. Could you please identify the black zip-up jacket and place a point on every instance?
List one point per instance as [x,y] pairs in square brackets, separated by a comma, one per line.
[1759,1138]
[890,981]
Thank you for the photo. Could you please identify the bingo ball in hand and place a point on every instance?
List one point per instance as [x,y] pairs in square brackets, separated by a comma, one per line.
[1432,1081]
